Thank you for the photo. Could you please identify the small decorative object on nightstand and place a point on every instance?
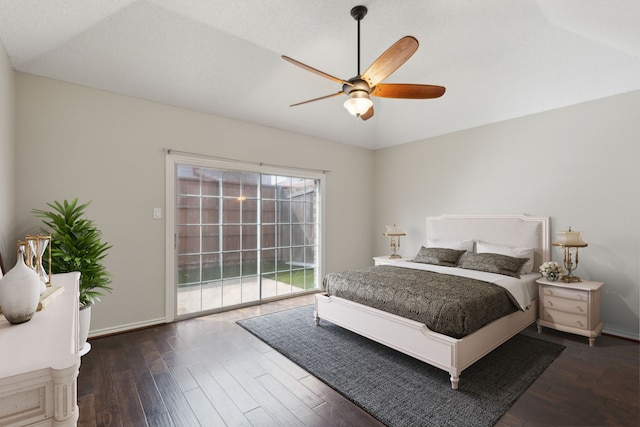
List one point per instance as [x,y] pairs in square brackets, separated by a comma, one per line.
[551,271]
[395,232]
[571,307]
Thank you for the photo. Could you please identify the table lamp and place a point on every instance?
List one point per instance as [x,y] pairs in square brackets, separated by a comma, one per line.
[394,232]
[570,241]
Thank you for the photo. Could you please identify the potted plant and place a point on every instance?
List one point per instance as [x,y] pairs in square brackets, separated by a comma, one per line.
[76,245]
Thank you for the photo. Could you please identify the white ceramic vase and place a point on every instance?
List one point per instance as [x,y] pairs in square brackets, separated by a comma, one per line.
[20,293]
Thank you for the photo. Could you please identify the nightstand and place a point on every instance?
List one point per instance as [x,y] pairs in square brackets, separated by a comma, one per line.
[571,307]
[385,260]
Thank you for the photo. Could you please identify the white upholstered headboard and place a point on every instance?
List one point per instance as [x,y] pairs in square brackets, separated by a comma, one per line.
[508,230]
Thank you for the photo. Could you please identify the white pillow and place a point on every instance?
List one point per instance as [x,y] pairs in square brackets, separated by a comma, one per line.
[460,245]
[527,268]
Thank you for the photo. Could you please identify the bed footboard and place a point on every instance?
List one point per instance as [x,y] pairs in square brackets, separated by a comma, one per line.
[418,341]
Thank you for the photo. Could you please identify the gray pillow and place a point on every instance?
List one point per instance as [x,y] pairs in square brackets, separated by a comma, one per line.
[438,256]
[493,263]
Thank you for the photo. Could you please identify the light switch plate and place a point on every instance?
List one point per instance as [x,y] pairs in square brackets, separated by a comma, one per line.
[157,213]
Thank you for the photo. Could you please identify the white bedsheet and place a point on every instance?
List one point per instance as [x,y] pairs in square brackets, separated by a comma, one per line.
[524,290]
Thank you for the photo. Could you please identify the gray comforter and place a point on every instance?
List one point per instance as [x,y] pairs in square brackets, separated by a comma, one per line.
[450,305]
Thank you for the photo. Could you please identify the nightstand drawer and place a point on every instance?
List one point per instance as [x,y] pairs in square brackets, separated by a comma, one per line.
[566,305]
[573,294]
[567,319]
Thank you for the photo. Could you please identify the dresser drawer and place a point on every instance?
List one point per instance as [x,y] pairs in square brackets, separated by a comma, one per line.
[567,319]
[573,294]
[566,305]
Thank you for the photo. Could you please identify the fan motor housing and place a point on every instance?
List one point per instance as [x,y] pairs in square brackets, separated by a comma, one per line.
[357,85]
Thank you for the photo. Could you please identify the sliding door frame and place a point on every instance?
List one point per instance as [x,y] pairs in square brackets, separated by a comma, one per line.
[172,162]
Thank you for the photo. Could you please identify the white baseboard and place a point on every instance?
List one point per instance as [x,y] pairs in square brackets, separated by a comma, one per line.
[620,333]
[125,328]
[132,326]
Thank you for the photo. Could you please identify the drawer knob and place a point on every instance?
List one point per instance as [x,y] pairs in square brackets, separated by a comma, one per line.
[579,309]
[580,323]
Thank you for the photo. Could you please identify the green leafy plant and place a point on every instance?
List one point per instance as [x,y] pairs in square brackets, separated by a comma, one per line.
[76,245]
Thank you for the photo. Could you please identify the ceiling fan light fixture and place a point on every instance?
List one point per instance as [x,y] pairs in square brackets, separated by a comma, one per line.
[358,102]
[359,88]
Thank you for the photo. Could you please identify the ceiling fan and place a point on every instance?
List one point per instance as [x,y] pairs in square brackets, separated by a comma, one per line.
[362,86]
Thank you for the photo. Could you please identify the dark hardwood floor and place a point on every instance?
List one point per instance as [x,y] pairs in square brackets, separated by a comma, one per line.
[209,371]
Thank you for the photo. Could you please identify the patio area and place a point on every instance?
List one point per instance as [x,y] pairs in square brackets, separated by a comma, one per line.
[227,293]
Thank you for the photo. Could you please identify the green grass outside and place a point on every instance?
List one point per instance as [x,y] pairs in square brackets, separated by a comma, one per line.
[281,273]
[297,278]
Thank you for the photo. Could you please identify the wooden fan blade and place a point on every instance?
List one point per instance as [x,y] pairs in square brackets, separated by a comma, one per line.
[390,60]
[318,99]
[407,91]
[315,71]
[368,114]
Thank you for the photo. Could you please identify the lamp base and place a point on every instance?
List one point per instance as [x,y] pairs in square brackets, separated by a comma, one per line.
[395,256]
[570,279]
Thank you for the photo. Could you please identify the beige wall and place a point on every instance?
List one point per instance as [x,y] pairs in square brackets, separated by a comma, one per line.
[91,143]
[7,161]
[579,165]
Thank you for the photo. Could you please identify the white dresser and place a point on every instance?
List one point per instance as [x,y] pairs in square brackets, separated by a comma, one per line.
[571,307]
[39,363]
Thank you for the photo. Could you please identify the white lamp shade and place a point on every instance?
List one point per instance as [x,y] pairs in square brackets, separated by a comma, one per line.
[394,230]
[570,239]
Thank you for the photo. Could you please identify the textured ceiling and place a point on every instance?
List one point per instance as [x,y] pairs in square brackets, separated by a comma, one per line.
[498,59]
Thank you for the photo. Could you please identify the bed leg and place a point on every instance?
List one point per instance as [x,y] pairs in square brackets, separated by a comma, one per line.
[454,381]
[316,318]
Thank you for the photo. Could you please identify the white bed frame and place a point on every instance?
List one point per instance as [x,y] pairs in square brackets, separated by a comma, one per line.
[414,338]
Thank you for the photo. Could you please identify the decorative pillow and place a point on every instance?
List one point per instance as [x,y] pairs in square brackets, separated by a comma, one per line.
[438,256]
[492,263]
[482,247]
[461,245]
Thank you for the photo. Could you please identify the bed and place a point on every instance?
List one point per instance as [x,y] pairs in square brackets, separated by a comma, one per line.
[415,338]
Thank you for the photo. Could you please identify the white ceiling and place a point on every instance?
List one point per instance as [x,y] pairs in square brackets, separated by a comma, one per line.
[498,59]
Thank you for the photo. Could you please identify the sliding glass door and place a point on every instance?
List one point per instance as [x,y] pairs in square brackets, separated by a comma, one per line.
[242,236]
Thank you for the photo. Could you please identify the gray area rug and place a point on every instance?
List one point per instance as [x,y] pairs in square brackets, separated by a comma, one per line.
[397,389]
